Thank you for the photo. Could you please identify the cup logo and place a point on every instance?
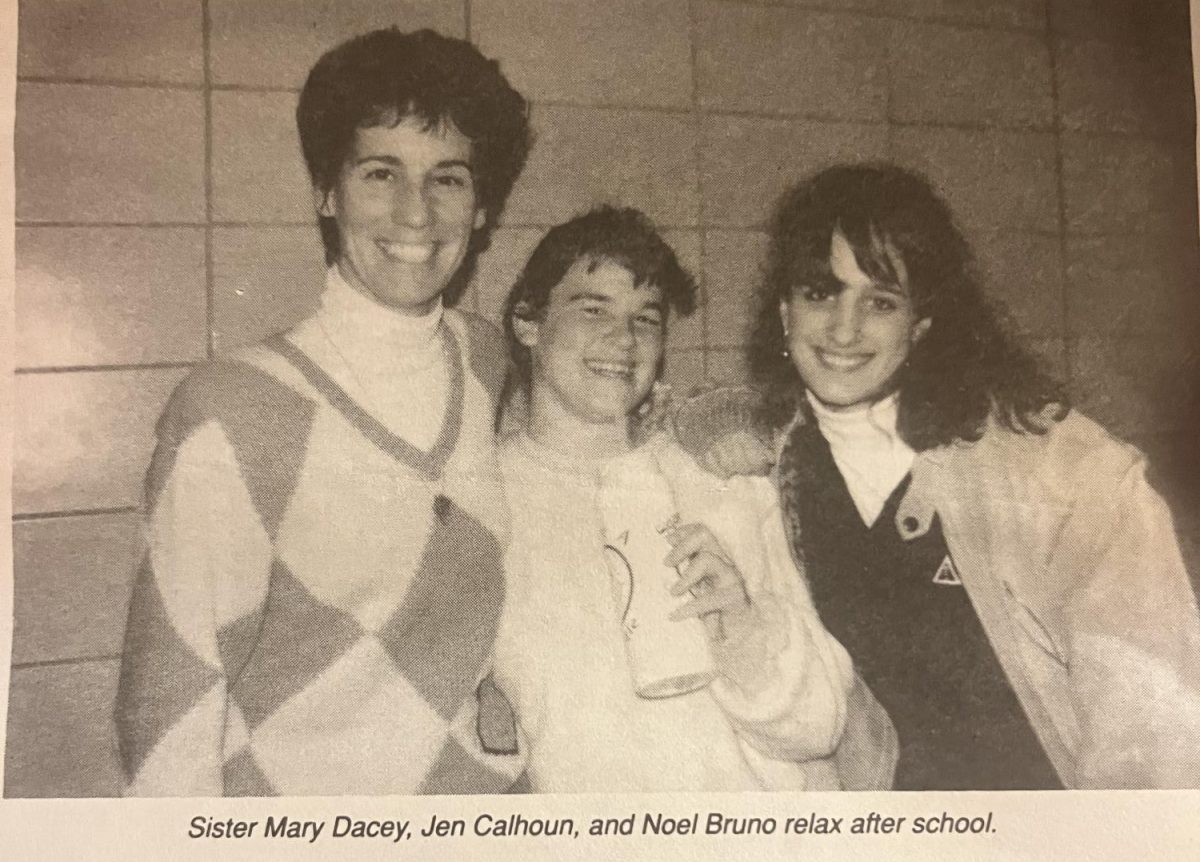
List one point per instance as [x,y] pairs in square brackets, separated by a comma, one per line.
[621,572]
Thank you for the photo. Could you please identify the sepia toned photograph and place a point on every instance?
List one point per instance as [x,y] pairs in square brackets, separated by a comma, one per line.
[455,397]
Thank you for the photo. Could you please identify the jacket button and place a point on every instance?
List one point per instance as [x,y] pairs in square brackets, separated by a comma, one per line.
[910,524]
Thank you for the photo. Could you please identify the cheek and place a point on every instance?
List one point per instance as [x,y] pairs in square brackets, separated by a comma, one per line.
[559,343]
[804,324]
[896,339]
[458,213]
[651,347]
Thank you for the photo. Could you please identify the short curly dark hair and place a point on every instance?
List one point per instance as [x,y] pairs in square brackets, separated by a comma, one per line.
[386,76]
[966,369]
[619,235]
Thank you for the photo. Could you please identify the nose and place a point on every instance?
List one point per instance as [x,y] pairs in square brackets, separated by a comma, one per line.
[623,334]
[845,325]
[410,206]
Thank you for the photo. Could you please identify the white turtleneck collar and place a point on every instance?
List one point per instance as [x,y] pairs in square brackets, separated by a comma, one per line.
[393,365]
[867,449]
[348,310]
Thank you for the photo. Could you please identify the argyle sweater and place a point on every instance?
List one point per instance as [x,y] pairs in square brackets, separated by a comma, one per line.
[316,607]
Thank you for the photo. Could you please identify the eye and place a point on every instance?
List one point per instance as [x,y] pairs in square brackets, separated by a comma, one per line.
[380,175]
[651,319]
[815,292]
[885,304]
[591,309]
[452,180]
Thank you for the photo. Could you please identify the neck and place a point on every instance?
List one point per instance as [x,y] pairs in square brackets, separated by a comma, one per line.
[555,427]
[350,308]
[880,415]
[351,280]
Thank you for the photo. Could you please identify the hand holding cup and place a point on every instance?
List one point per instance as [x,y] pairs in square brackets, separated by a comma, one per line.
[719,592]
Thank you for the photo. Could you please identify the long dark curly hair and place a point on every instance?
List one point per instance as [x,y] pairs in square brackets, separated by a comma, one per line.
[965,369]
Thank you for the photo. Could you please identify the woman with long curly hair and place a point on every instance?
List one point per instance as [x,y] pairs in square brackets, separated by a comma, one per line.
[1006,581]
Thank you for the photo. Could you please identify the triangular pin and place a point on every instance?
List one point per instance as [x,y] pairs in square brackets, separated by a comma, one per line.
[946,574]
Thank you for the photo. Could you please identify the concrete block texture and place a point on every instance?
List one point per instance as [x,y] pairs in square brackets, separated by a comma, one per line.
[61,740]
[151,41]
[747,162]
[624,52]
[72,581]
[273,43]
[992,179]
[1105,87]
[109,295]
[265,279]
[109,154]
[790,61]
[587,156]
[259,177]
[1116,184]
[954,75]
[82,439]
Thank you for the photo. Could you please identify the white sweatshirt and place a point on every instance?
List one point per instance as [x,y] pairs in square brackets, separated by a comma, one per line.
[560,654]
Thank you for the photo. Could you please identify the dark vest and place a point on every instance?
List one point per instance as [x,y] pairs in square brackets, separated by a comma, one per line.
[912,632]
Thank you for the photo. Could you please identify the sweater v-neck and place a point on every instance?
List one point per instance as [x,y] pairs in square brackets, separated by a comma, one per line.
[429,463]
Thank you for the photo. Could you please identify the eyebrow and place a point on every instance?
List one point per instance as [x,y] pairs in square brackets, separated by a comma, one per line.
[890,287]
[399,163]
[586,295]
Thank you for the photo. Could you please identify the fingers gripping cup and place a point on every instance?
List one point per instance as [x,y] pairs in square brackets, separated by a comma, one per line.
[666,657]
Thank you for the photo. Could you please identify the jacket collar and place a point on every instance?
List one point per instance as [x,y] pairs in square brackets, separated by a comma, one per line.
[914,515]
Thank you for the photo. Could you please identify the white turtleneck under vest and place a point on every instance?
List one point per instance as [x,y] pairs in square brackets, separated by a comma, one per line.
[867,449]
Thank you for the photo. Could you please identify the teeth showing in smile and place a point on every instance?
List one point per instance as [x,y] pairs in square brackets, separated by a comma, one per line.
[842,362]
[617,370]
[405,252]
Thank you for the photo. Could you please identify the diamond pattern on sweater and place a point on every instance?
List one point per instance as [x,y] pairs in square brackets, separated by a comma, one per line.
[345,508]
[266,421]
[458,587]
[243,777]
[236,641]
[456,768]
[156,660]
[269,433]
[358,727]
[299,638]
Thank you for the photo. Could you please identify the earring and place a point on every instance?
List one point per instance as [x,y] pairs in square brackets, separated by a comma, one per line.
[786,353]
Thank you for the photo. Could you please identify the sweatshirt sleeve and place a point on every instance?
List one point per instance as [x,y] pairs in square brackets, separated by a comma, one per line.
[785,687]
[196,600]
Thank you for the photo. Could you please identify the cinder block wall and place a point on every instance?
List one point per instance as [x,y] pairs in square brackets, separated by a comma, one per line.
[163,216]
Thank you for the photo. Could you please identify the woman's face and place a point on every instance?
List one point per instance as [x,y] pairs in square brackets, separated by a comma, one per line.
[849,334]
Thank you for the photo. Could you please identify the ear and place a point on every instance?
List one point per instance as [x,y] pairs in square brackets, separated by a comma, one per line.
[783,314]
[525,327]
[480,217]
[920,328]
[323,202]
